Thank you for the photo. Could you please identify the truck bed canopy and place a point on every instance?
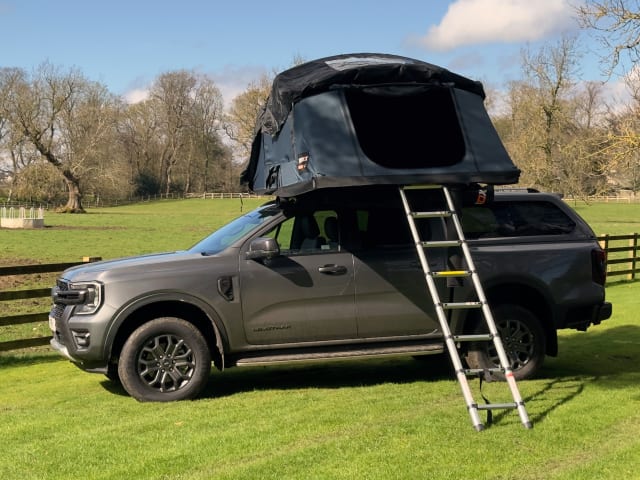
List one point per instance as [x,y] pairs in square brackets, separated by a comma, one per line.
[373,119]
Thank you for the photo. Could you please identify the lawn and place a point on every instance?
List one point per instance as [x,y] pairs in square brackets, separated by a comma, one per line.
[363,419]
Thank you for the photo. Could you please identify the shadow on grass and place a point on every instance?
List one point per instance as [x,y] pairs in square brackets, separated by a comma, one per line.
[602,358]
[351,373]
[606,359]
[21,359]
[346,373]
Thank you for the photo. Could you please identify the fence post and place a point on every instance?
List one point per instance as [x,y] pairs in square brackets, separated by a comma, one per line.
[633,243]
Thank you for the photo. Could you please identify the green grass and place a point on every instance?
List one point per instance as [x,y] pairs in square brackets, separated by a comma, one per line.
[120,231]
[363,419]
[611,218]
[357,420]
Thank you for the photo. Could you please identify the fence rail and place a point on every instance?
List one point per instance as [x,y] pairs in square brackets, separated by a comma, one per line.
[622,254]
[25,318]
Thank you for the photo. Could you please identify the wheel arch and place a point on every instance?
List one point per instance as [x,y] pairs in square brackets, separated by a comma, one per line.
[145,310]
[528,297]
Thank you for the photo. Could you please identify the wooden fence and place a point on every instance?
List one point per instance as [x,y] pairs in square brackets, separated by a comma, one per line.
[622,254]
[28,294]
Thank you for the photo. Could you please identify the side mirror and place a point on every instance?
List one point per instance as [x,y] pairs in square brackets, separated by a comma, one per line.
[263,247]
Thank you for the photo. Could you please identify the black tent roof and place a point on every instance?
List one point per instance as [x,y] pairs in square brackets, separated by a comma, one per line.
[353,70]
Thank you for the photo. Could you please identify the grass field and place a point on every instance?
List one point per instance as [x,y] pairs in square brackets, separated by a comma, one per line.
[391,419]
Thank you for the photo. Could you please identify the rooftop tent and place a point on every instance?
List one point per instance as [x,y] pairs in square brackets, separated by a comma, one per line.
[374,119]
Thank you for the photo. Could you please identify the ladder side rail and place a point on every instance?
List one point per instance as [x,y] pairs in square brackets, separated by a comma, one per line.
[489,320]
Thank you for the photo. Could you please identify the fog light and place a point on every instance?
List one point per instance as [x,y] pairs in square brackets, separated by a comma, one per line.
[82,339]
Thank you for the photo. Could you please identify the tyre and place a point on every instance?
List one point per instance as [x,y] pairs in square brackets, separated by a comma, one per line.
[523,339]
[166,359]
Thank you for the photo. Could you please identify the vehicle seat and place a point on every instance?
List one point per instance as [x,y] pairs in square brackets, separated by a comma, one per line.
[332,233]
[311,239]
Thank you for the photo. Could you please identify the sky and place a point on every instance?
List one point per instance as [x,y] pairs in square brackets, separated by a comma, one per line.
[126,44]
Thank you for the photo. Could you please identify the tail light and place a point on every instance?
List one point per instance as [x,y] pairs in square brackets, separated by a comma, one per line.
[599,265]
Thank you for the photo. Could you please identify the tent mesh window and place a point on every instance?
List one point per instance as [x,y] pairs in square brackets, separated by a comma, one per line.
[402,131]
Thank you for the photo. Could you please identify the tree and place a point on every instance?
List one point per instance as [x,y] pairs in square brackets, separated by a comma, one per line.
[617,23]
[206,149]
[544,134]
[172,139]
[65,117]
[240,122]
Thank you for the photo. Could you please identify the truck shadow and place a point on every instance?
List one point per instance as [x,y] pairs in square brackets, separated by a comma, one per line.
[608,359]
[351,373]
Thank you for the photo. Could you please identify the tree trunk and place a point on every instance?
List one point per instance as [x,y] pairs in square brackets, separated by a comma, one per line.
[74,203]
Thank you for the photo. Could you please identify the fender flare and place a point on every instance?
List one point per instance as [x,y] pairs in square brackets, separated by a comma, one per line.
[124,313]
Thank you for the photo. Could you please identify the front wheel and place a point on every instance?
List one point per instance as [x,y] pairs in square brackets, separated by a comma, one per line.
[166,359]
[523,340]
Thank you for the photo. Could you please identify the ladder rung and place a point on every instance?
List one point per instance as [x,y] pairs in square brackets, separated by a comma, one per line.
[421,187]
[497,406]
[461,305]
[473,338]
[476,371]
[434,214]
[441,243]
[452,273]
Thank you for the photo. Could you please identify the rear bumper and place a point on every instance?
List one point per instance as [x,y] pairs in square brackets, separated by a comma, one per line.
[601,312]
[581,318]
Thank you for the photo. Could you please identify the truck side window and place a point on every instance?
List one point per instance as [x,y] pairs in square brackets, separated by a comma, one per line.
[308,232]
[515,219]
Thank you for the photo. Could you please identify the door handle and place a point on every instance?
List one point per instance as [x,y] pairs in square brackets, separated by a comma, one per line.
[333,269]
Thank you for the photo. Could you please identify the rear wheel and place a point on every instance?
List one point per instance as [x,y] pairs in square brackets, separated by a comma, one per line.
[166,359]
[523,339]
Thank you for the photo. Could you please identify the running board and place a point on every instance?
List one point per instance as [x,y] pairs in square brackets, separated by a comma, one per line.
[338,353]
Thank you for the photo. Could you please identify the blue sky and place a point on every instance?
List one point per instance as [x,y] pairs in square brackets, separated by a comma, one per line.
[126,44]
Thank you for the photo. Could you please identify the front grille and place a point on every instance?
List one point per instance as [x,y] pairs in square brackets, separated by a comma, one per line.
[58,309]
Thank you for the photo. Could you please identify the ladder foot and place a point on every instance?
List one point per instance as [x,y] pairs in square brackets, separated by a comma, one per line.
[479,427]
[528,425]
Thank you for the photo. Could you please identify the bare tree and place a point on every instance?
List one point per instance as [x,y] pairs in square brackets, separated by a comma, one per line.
[240,122]
[206,124]
[550,71]
[63,116]
[617,23]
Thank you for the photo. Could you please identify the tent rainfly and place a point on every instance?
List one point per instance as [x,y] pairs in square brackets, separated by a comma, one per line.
[374,119]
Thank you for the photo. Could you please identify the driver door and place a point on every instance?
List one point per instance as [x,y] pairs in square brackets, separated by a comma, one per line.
[307,293]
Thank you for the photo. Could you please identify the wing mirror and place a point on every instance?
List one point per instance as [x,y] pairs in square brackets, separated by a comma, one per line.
[263,247]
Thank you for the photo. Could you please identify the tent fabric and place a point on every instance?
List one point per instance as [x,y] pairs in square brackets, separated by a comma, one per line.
[367,119]
[354,70]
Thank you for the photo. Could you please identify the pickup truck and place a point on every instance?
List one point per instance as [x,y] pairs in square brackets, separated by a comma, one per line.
[332,274]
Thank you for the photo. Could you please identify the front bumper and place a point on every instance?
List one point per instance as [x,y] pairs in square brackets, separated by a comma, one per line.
[81,338]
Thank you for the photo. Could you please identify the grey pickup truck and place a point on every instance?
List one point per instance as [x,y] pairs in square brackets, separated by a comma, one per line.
[331,275]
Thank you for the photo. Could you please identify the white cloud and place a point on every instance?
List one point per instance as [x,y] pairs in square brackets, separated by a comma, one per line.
[233,80]
[136,95]
[469,22]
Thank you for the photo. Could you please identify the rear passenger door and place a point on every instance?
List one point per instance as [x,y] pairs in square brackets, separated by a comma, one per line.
[392,299]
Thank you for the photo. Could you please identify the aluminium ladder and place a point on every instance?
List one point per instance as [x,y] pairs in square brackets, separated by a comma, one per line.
[442,307]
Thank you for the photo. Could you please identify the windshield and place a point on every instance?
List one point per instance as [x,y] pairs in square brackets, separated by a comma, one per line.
[228,234]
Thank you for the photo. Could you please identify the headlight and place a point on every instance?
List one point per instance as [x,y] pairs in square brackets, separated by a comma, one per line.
[89,297]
